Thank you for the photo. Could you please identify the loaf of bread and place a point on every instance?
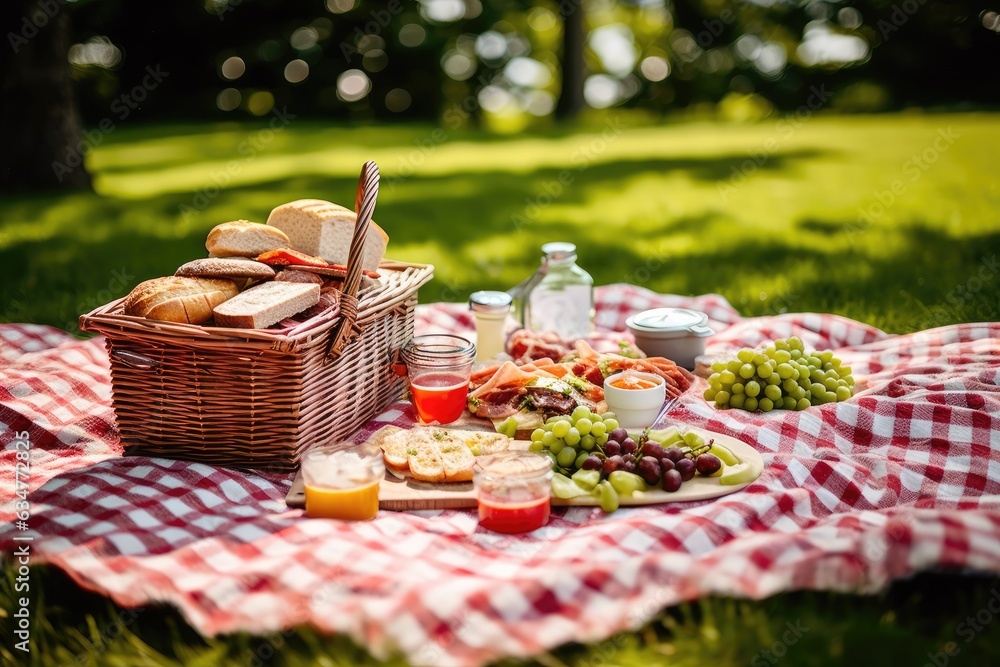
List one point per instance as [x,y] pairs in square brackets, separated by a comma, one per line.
[226,267]
[178,299]
[266,304]
[325,229]
[244,239]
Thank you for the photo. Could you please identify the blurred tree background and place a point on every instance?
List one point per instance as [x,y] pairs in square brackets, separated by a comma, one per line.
[505,65]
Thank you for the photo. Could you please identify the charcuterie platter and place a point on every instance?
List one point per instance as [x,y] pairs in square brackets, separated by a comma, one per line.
[401,491]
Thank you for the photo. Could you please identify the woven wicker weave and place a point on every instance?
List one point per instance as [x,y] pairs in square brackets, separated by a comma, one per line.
[258,398]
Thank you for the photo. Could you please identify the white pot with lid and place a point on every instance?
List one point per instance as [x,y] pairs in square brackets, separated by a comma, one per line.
[677,334]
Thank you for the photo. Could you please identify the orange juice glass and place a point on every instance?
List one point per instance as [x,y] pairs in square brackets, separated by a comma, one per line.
[439,367]
[342,482]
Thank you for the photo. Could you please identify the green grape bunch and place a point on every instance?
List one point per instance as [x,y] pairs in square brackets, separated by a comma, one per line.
[783,376]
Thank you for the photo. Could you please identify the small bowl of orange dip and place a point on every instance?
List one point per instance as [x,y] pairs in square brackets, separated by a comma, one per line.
[634,397]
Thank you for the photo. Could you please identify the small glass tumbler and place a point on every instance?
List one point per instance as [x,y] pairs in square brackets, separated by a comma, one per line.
[513,491]
[439,367]
[342,481]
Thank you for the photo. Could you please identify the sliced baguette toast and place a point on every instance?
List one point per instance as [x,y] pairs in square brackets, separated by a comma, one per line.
[433,454]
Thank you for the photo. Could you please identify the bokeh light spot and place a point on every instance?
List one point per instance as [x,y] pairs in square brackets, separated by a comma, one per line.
[233,67]
[458,65]
[97,51]
[527,73]
[655,68]
[304,38]
[340,6]
[397,100]
[228,99]
[412,34]
[541,19]
[260,102]
[491,45]
[353,85]
[601,91]
[375,60]
[443,11]
[296,71]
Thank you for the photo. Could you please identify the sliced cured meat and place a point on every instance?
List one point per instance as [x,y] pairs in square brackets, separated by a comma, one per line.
[551,402]
[507,376]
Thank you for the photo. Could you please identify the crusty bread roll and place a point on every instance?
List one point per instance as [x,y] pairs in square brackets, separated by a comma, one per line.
[178,299]
[244,239]
[325,229]
[226,267]
[268,303]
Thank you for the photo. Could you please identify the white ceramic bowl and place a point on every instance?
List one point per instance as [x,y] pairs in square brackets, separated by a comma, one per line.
[635,408]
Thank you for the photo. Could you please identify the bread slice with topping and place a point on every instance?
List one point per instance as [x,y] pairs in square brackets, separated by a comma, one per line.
[433,454]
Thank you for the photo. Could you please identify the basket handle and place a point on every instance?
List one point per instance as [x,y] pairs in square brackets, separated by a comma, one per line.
[364,207]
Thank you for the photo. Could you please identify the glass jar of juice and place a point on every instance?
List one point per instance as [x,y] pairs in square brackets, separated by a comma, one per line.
[341,481]
[513,491]
[439,367]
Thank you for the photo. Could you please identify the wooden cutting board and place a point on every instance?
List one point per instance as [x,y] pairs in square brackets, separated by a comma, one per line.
[410,494]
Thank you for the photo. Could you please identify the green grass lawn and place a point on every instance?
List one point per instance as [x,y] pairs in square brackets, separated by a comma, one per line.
[781,215]
[891,220]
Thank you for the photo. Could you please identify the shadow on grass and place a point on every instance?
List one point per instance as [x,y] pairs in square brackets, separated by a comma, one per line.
[68,254]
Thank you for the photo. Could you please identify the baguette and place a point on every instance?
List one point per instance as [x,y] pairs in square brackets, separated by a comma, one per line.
[178,299]
[264,305]
[432,454]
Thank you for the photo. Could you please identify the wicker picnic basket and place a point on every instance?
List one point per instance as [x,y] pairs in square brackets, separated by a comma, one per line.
[258,398]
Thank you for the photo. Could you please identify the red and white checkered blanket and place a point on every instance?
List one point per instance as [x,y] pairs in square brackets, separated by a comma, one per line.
[903,477]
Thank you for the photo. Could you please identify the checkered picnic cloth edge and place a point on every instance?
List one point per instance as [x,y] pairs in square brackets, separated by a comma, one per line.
[903,477]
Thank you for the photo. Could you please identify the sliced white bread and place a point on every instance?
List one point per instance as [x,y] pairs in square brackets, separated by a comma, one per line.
[178,299]
[325,229]
[243,238]
[266,304]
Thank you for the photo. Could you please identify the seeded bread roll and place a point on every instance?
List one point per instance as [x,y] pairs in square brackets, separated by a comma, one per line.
[266,304]
[325,229]
[223,267]
[244,239]
[178,299]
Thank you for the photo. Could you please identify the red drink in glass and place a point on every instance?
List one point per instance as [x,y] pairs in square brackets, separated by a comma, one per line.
[513,517]
[439,397]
